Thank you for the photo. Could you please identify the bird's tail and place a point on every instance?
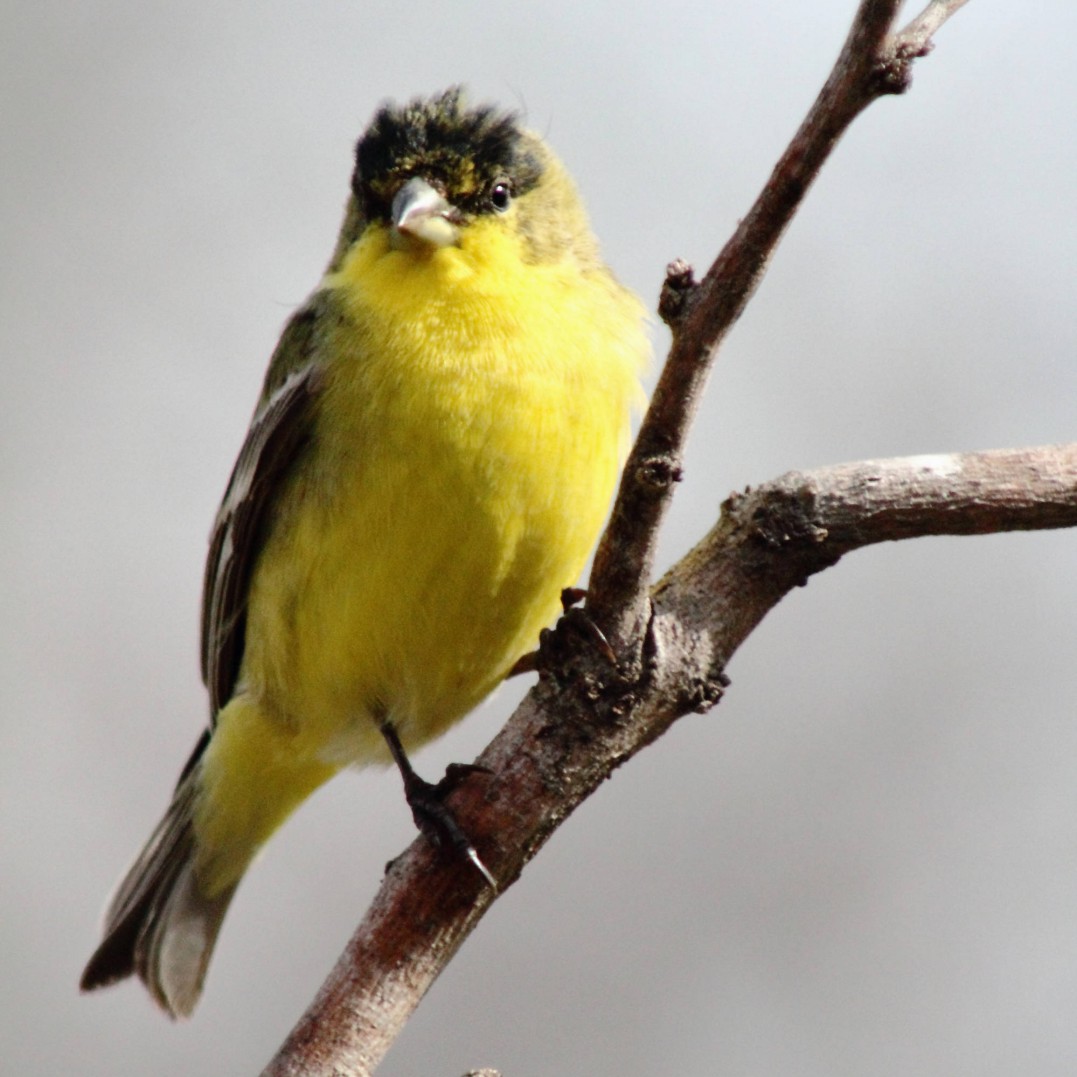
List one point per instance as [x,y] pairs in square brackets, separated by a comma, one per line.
[161,926]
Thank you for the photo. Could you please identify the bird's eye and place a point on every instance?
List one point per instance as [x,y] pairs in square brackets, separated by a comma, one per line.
[501,195]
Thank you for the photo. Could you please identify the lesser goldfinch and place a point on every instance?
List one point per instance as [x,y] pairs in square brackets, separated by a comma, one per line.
[430,461]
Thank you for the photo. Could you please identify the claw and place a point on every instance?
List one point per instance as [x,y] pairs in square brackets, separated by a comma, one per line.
[572,596]
[579,618]
[483,870]
[455,773]
[526,663]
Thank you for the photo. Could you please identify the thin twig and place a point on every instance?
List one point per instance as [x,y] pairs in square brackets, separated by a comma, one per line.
[915,39]
[774,537]
[701,317]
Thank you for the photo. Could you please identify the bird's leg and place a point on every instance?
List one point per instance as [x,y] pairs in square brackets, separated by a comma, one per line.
[432,815]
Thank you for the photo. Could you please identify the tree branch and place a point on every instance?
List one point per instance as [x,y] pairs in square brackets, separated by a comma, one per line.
[773,538]
[587,715]
[871,64]
[915,39]
[584,720]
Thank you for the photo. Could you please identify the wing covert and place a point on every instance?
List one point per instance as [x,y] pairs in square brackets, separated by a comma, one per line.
[280,429]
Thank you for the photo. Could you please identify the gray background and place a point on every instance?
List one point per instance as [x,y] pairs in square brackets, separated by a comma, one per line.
[865,860]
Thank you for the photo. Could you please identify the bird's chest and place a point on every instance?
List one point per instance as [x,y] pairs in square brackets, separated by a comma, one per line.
[457,499]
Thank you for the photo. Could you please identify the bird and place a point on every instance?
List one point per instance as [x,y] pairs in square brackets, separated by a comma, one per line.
[429,464]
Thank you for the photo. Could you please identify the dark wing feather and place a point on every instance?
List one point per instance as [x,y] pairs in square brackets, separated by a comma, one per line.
[280,429]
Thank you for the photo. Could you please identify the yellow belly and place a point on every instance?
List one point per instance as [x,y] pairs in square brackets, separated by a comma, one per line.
[471,433]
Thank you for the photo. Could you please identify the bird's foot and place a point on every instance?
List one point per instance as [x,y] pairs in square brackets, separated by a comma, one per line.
[436,820]
[433,817]
[551,648]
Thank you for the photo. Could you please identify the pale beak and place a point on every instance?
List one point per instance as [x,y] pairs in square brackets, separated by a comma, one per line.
[421,214]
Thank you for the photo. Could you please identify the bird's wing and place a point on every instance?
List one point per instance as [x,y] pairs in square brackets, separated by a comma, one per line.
[279,431]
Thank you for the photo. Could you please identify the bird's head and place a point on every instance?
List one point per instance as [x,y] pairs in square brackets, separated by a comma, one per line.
[429,170]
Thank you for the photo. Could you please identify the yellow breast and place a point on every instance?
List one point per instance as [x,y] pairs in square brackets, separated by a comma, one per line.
[475,415]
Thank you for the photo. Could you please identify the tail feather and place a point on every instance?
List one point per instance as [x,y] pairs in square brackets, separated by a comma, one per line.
[160,926]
